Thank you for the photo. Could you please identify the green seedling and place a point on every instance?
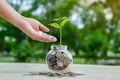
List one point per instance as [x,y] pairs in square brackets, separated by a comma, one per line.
[59,23]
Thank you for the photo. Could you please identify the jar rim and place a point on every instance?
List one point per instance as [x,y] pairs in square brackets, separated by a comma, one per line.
[59,47]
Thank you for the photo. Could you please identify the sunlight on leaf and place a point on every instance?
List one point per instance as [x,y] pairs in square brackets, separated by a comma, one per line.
[55,25]
[57,19]
[64,21]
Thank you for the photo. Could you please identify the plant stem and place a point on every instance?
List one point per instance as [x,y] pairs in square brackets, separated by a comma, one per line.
[60,35]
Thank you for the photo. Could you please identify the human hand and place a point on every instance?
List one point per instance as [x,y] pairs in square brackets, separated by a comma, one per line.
[33,29]
[29,26]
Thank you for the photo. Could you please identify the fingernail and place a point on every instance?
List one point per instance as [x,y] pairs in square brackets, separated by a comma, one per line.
[53,39]
[48,30]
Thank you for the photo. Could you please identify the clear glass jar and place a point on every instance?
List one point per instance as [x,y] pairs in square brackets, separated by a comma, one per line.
[58,58]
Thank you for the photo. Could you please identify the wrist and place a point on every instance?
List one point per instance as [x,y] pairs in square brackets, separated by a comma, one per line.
[21,22]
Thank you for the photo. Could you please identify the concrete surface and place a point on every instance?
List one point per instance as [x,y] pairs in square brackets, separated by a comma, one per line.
[17,71]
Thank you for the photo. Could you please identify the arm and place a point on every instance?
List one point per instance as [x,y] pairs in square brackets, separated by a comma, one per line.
[29,26]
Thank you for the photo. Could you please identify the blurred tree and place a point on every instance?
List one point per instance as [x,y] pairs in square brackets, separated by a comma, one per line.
[94,27]
[114,24]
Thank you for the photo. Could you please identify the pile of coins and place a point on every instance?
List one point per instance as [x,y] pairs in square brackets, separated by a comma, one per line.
[45,34]
[58,60]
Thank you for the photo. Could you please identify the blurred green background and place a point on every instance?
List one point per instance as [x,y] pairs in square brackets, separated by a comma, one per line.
[92,34]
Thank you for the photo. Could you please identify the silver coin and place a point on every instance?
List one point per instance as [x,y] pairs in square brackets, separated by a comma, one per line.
[47,35]
[60,64]
[59,54]
[61,59]
[58,60]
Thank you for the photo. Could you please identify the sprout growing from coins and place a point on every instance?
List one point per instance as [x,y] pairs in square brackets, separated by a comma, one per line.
[58,58]
[61,22]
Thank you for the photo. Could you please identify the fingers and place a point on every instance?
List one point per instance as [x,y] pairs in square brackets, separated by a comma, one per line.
[44,37]
[43,28]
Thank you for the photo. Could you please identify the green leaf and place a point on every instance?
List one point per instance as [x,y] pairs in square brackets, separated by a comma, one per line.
[64,21]
[63,18]
[55,25]
[58,19]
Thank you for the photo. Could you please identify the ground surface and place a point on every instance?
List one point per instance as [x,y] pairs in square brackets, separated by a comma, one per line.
[25,71]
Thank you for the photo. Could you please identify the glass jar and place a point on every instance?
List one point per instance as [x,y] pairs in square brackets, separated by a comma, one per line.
[58,58]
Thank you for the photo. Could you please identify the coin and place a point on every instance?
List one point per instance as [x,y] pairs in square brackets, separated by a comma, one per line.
[52,62]
[53,59]
[45,34]
[65,65]
[67,60]
[49,57]
[61,58]
[58,61]
[60,64]
[61,68]
[59,54]
[55,67]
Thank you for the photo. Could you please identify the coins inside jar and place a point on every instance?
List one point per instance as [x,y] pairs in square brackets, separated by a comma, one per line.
[58,61]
